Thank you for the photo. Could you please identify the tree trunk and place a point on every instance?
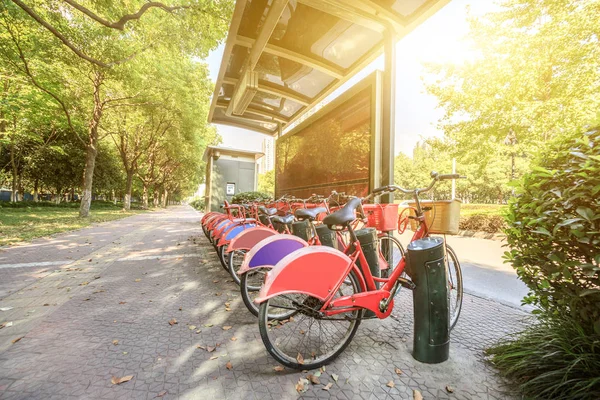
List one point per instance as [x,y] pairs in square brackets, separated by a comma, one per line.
[127,200]
[145,196]
[58,195]
[35,191]
[13,195]
[92,149]
[165,195]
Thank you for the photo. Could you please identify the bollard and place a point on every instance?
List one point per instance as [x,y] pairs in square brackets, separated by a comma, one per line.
[428,271]
[302,229]
[327,236]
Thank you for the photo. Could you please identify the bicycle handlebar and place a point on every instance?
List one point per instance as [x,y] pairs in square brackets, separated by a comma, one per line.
[436,177]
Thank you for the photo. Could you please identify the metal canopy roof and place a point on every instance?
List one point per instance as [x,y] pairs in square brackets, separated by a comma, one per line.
[282,57]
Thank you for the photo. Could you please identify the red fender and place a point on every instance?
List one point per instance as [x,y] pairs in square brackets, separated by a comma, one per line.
[249,238]
[206,216]
[215,221]
[269,251]
[315,271]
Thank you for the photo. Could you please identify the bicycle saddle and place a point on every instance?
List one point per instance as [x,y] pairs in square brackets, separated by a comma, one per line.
[309,213]
[288,219]
[344,215]
[267,211]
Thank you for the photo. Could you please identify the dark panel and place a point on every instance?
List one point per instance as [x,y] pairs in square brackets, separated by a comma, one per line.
[230,171]
[332,153]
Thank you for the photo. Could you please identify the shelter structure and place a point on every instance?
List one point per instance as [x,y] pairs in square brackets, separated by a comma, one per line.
[229,172]
[283,57]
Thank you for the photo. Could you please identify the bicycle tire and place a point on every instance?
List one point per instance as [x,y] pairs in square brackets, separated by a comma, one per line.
[234,262]
[455,280]
[307,363]
[249,289]
[393,253]
[221,255]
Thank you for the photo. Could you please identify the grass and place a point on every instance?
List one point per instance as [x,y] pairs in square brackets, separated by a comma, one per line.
[18,224]
[466,210]
[554,358]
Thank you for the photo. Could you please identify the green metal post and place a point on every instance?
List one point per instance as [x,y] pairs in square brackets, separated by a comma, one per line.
[428,272]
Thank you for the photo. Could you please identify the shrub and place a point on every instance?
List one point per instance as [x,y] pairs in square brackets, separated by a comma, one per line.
[554,230]
[553,359]
[482,223]
[554,235]
[198,203]
[250,196]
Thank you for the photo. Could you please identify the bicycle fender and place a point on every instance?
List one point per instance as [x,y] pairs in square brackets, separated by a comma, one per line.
[206,216]
[249,238]
[269,251]
[314,270]
[232,232]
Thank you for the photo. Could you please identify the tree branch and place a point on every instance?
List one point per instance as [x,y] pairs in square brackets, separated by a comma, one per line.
[120,24]
[57,34]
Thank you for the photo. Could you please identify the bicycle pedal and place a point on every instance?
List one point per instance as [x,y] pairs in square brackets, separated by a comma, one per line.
[408,284]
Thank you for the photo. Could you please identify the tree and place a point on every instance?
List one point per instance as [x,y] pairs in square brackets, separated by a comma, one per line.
[535,76]
[266,182]
[87,72]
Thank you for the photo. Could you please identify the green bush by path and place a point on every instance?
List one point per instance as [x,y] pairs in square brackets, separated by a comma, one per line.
[250,196]
[19,224]
[198,203]
[554,235]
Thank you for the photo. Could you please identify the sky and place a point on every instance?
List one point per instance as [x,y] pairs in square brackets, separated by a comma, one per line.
[440,39]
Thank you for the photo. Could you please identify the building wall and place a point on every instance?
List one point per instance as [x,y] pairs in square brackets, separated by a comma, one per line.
[241,172]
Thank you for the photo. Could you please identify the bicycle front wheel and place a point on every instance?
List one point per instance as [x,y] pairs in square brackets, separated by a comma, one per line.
[455,284]
[250,284]
[308,340]
[392,251]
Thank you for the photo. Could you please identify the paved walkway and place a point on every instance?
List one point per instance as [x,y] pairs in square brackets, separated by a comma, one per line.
[96,304]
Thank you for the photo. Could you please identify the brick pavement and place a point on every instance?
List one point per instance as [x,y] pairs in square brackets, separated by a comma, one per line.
[153,267]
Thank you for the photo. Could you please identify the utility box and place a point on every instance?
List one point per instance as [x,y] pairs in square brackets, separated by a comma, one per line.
[229,172]
[427,269]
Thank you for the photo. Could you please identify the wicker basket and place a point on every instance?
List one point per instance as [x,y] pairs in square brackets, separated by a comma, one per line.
[443,218]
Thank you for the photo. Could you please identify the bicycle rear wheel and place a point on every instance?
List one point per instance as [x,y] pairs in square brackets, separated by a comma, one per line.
[455,283]
[234,262]
[308,340]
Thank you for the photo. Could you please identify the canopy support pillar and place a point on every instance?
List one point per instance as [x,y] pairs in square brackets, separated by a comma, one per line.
[388,113]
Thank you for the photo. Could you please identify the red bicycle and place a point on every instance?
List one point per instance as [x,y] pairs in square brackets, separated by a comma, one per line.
[325,312]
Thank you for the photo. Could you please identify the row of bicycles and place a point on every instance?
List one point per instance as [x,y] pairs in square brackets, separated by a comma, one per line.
[312,269]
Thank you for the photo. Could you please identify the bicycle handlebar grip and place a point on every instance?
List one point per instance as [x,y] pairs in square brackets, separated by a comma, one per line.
[448,177]
[381,189]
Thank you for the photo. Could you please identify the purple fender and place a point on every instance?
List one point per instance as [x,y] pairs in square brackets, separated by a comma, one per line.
[232,232]
[249,238]
[222,227]
[270,250]
[314,270]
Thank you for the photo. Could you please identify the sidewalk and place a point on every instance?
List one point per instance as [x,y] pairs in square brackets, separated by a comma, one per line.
[151,268]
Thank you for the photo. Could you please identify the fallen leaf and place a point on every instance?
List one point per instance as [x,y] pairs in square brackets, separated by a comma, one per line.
[84,284]
[302,332]
[115,342]
[208,325]
[214,357]
[125,353]
[161,394]
[86,299]
[300,359]
[90,260]
[118,381]
[226,328]
[180,308]
[192,327]
[301,386]
[314,379]
[449,389]
[5,308]
[335,377]
[417,395]
[210,349]
[96,277]
[138,280]
[390,384]
[398,371]
[172,322]
[198,331]
[218,294]
[278,368]
[216,281]
[122,302]
[17,339]
[233,339]
[229,366]
[322,369]
[227,309]
[328,386]
[6,324]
